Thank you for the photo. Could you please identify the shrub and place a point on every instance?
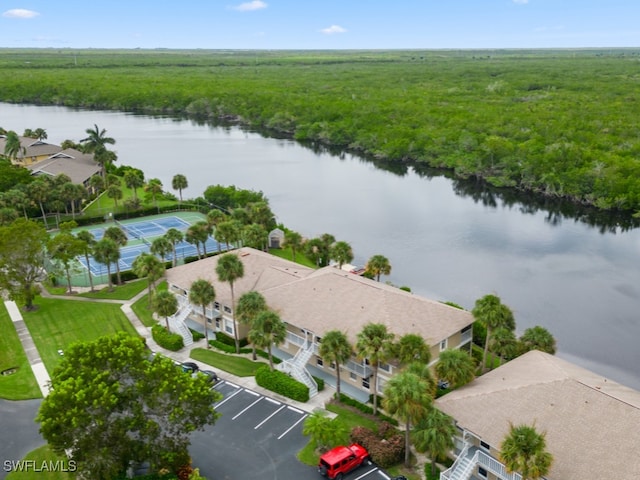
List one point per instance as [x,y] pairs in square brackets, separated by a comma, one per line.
[384,452]
[125,276]
[196,335]
[222,346]
[281,383]
[320,383]
[229,340]
[168,340]
[427,472]
[265,355]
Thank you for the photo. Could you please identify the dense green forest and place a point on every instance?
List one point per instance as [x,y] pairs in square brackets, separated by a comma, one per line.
[557,123]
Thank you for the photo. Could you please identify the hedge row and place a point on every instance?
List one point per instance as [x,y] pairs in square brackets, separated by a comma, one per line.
[281,383]
[319,382]
[229,340]
[168,340]
[384,452]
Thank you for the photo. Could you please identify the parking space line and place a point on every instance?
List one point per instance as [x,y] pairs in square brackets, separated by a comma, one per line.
[247,408]
[265,420]
[272,401]
[294,409]
[228,398]
[387,477]
[227,382]
[253,393]
[291,427]
[368,473]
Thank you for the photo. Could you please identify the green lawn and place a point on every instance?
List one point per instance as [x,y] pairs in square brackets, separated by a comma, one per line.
[21,385]
[120,292]
[40,455]
[288,255]
[141,307]
[57,323]
[239,366]
[105,204]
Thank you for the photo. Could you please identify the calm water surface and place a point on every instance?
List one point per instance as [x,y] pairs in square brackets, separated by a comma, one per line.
[583,285]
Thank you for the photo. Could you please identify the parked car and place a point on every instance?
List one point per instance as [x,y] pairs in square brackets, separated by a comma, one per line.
[341,460]
[212,376]
[189,367]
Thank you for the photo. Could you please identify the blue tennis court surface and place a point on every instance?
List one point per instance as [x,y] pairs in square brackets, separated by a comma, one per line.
[141,230]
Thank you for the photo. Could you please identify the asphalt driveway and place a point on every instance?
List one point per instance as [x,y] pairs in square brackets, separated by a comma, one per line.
[19,431]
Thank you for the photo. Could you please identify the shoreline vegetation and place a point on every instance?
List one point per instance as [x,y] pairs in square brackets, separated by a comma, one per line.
[554,125]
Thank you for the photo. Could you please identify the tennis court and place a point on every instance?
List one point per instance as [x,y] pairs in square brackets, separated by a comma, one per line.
[140,235]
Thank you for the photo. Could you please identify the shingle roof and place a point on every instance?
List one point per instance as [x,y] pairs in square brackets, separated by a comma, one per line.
[329,298]
[592,423]
[76,165]
[33,147]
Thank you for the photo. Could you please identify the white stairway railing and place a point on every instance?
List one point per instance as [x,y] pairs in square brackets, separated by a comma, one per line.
[177,325]
[296,367]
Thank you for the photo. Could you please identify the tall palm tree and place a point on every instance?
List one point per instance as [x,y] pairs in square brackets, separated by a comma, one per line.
[154,189]
[202,293]
[456,367]
[228,232]
[255,236]
[12,147]
[40,133]
[335,348]
[120,238]
[114,192]
[412,348]
[40,191]
[250,304]
[503,343]
[202,231]
[405,395]
[191,237]
[179,182]
[106,252]
[96,142]
[134,179]
[378,265]
[165,304]
[64,247]
[174,236]
[146,265]
[374,344]
[538,338]
[524,451]
[268,329]
[161,247]
[341,252]
[435,435]
[229,269]
[88,241]
[493,314]
[293,240]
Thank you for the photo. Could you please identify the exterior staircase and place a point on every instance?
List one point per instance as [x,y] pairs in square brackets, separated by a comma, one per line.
[296,367]
[177,325]
[463,470]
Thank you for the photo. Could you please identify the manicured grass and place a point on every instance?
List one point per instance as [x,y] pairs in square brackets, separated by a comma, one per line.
[288,255]
[239,366]
[141,307]
[21,385]
[57,323]
[105,204]
[120,292]
[40,455]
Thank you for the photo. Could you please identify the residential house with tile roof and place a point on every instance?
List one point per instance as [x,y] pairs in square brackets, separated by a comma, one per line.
[592,424]
[78,166]
[32,150]
[312,302]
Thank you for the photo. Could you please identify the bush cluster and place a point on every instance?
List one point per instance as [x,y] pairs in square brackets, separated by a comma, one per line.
[196,335]
[125,276]
[319,382]
[168,340]
[229,340]
[384,452]
[281,383]
[365,408]
[222,346]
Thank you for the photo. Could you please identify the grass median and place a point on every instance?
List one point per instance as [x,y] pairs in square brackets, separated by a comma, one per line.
[141,307]
[238,366]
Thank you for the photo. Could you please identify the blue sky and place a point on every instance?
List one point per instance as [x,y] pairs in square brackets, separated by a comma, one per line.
[325,24]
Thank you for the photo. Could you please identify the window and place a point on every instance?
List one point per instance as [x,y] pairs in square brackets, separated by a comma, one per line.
[332,365]
[216,305]
[318,340]
[365,382]
[227,309]
[485,445]
[319,362]
[443,345]
[208,320]
[466,329]
[218,323]
[482,472]
[228,327]
[385,367]
[352,376]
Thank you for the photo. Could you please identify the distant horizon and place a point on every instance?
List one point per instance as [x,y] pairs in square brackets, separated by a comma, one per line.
[326,25]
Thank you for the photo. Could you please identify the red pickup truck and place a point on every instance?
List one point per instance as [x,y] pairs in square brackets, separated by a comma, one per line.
[341,460]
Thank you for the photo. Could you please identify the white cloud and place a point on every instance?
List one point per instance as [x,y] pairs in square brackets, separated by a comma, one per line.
[521,2]
[250,6]
[333,29]
[20,13]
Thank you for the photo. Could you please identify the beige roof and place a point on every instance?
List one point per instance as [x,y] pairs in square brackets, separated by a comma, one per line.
[76,165]
[592,423]
[329,298]
[33,147]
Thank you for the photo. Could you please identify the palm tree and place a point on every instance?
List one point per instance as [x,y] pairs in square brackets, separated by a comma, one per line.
[324,431]
[503,343]
[115,193]
[96,142]
[491,312]
[228,232]
[40,191]
[65,247]
[40,133]
[250,304]
[435,435]
[88,241]
[12,147]
[405,395]
[456,367]
[378,265]
[538,338]
[120,238]
[161,247]
[179,182]
[97,185]
[191,237]
[174,236]
[293,240]
[134,179]
[202,232]
[341,252]
[230,269]
[524,451]
[373,344]
[202,293]
[412,348]
[165,304]
[335,348]
[268,329]
[255,236]
[154,188]
[146,265]
[106,251]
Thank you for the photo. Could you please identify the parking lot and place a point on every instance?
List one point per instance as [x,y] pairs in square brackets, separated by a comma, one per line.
[257,437]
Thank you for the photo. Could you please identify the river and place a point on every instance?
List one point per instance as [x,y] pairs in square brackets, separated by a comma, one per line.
[579,281]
